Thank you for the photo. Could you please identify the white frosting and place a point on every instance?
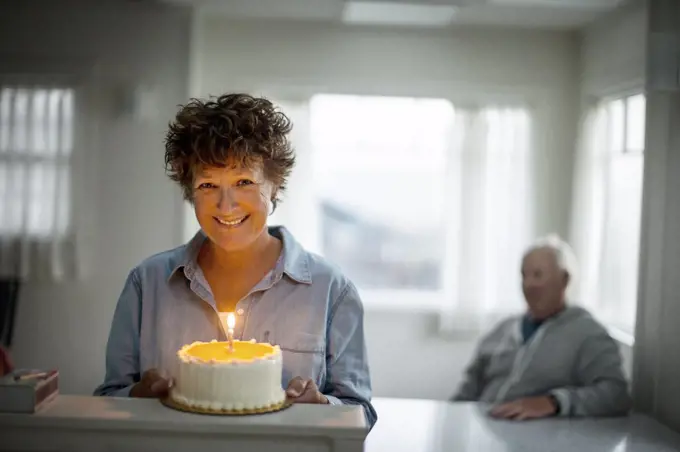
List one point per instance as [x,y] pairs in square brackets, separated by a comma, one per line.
[237,385]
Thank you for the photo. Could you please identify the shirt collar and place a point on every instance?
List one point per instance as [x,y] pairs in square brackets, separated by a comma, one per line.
[295,259]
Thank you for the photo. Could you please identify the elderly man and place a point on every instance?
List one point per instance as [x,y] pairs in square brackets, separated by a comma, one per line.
[553,360]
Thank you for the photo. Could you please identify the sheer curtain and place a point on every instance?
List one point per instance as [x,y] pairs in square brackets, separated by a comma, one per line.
[36,147]
[589,204]
[607,207]
[490,216]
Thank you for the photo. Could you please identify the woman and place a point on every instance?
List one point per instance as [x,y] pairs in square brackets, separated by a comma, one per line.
[231,157]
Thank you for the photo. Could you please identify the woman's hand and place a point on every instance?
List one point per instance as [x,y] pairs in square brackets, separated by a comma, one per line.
[152,385]
[302,390]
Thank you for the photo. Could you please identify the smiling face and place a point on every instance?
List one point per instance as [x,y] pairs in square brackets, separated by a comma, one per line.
[232,203]
[544,283]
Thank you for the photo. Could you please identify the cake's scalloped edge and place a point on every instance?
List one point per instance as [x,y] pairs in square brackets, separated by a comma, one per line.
[183,355]
[185,404]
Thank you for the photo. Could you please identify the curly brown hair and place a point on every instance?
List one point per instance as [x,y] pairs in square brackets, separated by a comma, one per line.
[234,128]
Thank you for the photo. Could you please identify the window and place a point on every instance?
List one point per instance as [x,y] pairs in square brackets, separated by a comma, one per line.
[36,143]
[36,139]
[380,167]
[621,237]
[490,203]
[607,209]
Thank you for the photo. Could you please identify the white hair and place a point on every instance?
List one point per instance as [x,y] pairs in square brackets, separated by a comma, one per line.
[564,255]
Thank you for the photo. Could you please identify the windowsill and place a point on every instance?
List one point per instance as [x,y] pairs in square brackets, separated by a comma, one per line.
[419,302]
[621,336]
[402,307]
[402,301]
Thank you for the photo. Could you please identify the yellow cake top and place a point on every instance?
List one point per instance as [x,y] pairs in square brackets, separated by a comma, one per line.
[220,352]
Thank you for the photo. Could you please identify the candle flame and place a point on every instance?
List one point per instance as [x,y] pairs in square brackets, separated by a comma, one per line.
[231,321]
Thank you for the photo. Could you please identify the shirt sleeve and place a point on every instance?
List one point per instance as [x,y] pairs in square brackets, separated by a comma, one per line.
[472,385]
[122,348]
[348,380]
[603,389]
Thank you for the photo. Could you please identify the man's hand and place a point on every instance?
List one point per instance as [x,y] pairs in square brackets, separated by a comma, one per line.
[152,385]
[304,391]
[528,408]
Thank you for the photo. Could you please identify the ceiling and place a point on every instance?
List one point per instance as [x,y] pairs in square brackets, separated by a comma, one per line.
[545,14]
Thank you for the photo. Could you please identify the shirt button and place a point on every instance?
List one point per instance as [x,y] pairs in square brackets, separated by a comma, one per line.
[239,311]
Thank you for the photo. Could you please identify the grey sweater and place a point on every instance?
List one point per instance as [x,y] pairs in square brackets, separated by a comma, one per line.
[570,356]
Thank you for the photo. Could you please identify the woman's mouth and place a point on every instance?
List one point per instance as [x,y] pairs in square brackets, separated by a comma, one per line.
[231,222]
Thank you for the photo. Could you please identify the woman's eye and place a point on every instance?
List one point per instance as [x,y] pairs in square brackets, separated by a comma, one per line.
[243,182]
[206,185]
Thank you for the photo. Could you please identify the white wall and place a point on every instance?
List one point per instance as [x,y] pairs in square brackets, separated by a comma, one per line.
[613,51]
[136,208]
[292,61]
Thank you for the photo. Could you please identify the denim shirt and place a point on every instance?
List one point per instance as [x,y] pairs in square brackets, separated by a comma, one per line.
[304,305]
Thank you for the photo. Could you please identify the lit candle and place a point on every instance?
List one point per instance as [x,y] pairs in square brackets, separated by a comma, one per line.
[231,323]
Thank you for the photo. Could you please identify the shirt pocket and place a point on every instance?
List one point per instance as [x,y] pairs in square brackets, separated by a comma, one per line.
[304,355]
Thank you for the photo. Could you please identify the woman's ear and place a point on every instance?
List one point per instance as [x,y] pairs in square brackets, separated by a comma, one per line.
[269,195]
[274,198]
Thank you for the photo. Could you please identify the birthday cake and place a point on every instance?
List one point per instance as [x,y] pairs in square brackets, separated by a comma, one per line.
[214,377]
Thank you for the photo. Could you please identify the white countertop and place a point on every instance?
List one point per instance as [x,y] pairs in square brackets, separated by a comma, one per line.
[431,426]
[150,415]
[78,422]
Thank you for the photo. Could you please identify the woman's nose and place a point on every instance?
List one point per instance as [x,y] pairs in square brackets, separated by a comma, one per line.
[227,201]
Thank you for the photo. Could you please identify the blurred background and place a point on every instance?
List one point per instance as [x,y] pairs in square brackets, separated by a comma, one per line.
[436,139]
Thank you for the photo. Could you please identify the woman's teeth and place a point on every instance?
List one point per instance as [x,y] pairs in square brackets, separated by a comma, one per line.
[231,222]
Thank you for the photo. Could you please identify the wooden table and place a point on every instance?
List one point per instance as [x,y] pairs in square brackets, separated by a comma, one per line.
[92,424]
[431,426]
